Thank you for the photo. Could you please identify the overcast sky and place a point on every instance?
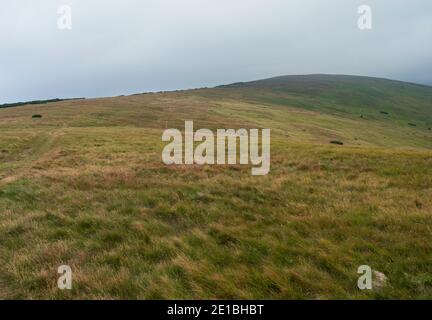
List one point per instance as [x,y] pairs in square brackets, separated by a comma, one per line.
[120,47]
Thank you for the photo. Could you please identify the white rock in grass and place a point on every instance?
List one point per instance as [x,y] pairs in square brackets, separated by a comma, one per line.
[380,279]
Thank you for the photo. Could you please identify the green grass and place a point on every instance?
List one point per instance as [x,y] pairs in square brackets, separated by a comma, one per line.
[85,186]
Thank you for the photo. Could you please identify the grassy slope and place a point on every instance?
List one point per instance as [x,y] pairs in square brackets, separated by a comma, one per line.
[393,105]
[85,186]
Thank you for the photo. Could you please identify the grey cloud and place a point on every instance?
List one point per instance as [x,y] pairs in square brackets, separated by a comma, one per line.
[121,47]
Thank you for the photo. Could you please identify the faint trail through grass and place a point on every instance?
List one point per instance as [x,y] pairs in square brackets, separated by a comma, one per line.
[40,145]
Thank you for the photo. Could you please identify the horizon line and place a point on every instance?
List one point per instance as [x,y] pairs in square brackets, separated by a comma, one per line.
[51,99]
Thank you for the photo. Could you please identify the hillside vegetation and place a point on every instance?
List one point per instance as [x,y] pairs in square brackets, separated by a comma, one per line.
[85,186]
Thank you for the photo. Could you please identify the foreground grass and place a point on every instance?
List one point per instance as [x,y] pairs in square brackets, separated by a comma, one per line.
[85,186]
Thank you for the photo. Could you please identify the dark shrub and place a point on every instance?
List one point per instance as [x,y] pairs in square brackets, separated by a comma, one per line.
[37,116]
[337,142]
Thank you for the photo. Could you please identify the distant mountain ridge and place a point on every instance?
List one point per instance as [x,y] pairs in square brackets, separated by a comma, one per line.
[356,95]
[319,80]
[18,104]
[352,96]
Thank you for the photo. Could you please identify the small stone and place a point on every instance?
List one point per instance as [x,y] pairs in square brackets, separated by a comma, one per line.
[380,279]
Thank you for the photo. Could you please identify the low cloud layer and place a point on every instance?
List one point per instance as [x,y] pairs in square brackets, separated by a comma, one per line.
[120,47]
